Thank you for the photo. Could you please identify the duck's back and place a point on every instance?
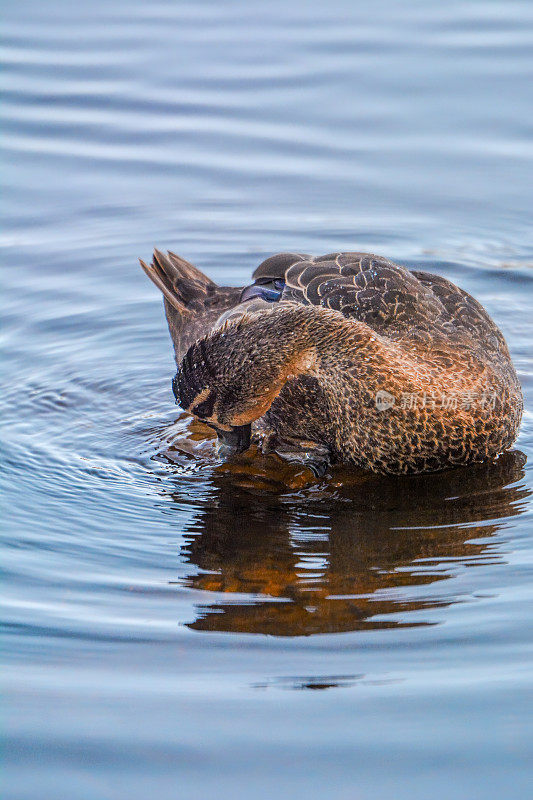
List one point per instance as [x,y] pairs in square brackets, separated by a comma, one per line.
[396,302]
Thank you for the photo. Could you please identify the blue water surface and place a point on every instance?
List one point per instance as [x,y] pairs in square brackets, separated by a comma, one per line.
[175,629]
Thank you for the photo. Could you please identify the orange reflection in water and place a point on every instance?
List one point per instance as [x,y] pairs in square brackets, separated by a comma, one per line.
[353,552]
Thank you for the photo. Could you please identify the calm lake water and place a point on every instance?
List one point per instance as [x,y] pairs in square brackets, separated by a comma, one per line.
[178,628]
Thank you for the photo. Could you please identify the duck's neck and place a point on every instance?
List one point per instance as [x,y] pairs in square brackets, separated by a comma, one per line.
[358,369]
[351,362]
[291,341]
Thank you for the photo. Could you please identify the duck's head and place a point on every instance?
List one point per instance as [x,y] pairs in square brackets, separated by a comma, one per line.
[225,386]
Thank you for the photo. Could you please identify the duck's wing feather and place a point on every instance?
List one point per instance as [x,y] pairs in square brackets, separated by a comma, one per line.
[362,286]
[464,310]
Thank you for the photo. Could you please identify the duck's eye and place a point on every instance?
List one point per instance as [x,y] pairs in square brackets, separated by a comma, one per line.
[205,408]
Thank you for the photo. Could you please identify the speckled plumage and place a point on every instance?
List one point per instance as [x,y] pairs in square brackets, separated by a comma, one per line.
[361,361]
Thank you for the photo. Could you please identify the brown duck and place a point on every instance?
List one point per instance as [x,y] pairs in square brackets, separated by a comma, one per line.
[347,358]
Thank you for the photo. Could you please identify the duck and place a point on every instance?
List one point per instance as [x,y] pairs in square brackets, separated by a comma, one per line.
[345,358]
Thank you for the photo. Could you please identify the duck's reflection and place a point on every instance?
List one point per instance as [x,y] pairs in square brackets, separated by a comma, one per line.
[354,557]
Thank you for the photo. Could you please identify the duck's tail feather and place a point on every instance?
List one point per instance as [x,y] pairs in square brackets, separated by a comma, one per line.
[193,303]
[181,282]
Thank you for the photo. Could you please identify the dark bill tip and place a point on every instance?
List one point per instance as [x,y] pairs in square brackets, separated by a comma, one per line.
[238,438]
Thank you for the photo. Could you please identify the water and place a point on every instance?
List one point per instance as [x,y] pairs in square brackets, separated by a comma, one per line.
[178,629]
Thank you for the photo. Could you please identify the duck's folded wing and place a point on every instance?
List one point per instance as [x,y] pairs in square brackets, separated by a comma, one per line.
[365,287]
[464,310]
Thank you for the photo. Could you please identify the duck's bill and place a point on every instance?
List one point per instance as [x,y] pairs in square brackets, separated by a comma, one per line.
[237,440]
